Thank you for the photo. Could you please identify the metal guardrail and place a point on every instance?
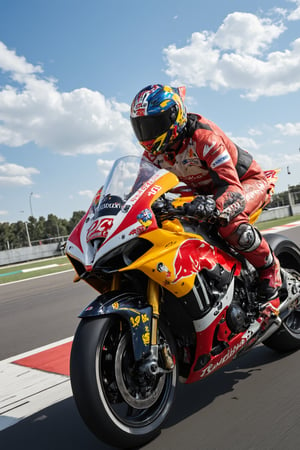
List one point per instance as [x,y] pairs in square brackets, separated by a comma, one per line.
[31,253]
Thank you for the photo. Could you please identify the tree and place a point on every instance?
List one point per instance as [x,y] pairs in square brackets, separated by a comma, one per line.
[40,229]
[51,226]
[76,217]
[6,236]
[20,238]
[63,227]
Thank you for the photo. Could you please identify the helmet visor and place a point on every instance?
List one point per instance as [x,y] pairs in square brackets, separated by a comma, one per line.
[151,127]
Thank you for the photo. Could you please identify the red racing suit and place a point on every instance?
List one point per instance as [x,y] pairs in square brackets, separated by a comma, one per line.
[210,163]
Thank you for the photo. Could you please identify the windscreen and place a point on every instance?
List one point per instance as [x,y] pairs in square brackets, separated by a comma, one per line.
[125,178]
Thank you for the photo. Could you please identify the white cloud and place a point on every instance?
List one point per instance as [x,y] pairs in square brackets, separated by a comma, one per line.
[18,65]
[87,193]
[104,166]
[3,212]
[281,12]
[265,161]
[236,57]
[246,33]
[244,142]
[13,174]
[295,15]
[278,160]
[289,129]
[254,132]
[81,121]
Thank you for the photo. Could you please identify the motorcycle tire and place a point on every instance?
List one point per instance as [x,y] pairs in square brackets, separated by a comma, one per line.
[287,337]
[121,407]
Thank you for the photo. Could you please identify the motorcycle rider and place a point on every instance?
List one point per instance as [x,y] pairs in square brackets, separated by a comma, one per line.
[206,160]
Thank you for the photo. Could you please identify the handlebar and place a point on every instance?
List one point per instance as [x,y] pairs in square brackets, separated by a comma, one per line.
[164,209]
[201,208]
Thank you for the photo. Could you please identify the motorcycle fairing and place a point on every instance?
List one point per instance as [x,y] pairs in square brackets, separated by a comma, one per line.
[174,260]
[176,256]
[213,326]
[207,363]
[133,309]
[135,218]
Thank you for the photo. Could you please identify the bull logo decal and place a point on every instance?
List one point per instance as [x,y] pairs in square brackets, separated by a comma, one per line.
[191,257]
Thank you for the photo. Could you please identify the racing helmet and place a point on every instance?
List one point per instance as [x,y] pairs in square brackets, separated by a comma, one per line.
[158,116]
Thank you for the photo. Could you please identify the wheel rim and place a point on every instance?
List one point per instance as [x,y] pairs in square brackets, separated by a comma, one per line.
[292,322]
[138,395]
[129,404]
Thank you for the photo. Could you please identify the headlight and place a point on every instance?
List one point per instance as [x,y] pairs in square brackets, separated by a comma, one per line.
[123,255]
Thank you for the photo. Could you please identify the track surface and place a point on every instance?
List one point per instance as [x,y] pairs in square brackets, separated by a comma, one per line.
[253,403]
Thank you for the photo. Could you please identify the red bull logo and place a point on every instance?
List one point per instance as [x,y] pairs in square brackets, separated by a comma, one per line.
[192,256]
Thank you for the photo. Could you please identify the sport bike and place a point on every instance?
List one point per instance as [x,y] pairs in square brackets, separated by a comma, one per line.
[174,302]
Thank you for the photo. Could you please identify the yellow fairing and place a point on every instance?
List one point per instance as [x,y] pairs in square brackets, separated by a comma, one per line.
[158,262]
[253,218]
[166,241]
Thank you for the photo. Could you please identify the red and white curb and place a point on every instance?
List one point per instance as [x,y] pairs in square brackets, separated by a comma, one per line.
[33,381]
[281,228]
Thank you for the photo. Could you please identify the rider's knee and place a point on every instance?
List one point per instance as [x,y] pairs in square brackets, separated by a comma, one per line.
[246,238]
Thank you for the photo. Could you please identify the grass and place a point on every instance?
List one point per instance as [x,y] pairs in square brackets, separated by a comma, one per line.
[13,272]
[277,222]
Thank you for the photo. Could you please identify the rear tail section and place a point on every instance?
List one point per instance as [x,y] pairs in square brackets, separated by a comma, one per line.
[272,177]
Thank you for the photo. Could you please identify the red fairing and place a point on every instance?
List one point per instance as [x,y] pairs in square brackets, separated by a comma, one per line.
[215,362]
[75,235]
[140,201]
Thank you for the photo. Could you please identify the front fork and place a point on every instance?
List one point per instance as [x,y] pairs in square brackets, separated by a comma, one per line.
[150,363]
[152,298]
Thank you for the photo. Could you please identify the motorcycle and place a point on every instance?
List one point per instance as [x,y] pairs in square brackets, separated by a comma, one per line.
[175,302]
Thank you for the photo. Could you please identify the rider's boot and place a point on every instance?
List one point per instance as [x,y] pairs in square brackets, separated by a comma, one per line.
[269,283]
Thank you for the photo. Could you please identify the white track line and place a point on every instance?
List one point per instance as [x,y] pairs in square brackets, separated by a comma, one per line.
[25,391]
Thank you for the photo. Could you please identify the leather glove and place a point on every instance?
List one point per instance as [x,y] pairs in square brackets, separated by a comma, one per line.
[202,207]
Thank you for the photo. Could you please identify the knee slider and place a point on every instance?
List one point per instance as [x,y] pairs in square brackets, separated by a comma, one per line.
[247,237]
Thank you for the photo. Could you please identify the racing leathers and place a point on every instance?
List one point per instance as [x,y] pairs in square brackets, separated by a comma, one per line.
[208,162]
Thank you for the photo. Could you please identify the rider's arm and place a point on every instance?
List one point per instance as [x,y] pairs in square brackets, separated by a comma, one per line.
[220,161]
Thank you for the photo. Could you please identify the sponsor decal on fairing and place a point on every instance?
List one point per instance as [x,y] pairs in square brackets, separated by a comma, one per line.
[99,228]
[191,257]
[145,218]
[224,359]
[162,268]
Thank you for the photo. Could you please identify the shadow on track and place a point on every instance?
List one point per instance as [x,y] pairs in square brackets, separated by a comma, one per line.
[60,427]
[191,398]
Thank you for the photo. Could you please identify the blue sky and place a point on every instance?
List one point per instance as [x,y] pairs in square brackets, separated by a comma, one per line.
[70,68]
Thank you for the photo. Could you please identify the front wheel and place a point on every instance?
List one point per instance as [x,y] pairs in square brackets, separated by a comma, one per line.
[122,405]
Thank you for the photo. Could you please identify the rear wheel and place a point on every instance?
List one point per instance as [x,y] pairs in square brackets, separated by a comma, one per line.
[287,338]
[120,403]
